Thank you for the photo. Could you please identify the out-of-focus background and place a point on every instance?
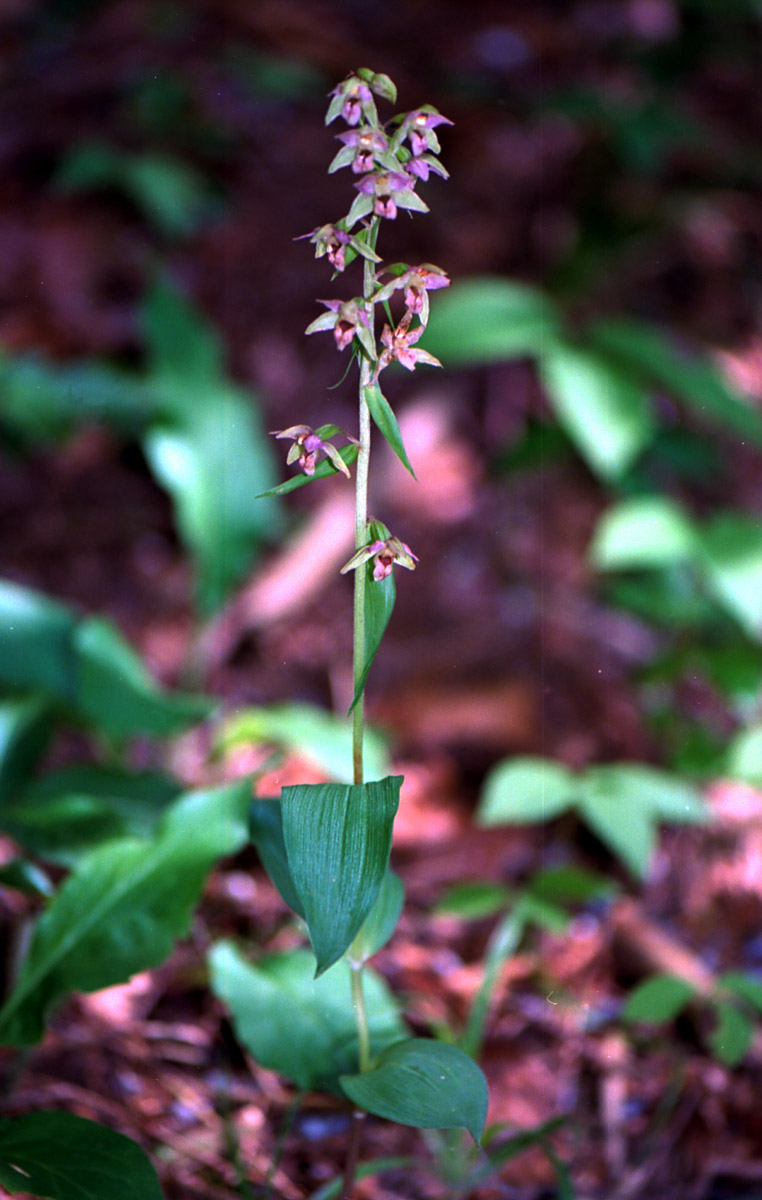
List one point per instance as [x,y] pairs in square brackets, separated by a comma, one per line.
[588,511]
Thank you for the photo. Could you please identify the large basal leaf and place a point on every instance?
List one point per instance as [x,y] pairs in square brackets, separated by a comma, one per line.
[65,1157]
[643,532]
[266,831]
[338,838]
[645,349]
[386,422]
[86,666]
[321,737]
[604,410]
[732,559]
[123,908]
[381,921]
[302,1027]
[520,790]
[490,320]
[66,813]
[426,1084]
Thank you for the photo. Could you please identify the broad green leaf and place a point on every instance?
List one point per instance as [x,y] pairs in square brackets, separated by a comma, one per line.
[379,603]
[604,410]
[624,824]
[732,560]
[733,1034]
[65,1157]
[68,812]
[489,319]
[426,1084]
[86,666]
[746,986]
[300,1026]
[266,831]
[324,470]
[381,921]
[123,908]
[25,731]
[115,692]
[386,422]
[666,796]
[644,348]
[657,1000]
[338,838]
[25,877]
[744,756]
[314,734]
[643,531]
[520,790]
[214,461]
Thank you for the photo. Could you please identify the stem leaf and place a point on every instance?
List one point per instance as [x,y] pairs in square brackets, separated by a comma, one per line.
[386,423]
[337,839]
[324,470]
[379,602]
[423,1083]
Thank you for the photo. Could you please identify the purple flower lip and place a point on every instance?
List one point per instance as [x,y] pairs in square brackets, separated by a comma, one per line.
[309,445]
[386,554]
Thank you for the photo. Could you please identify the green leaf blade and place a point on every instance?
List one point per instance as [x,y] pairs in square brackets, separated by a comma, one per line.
[521,790]
[65,1157]
[386,422]
[426,1084]
[338,839]
[658,1000]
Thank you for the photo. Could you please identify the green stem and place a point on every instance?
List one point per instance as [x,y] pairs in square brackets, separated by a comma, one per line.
[361,1018]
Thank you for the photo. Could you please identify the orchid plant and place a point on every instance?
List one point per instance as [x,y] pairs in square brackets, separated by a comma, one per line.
[327,846]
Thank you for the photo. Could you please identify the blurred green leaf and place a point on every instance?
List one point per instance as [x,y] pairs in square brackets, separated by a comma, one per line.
[26,728]
[526,789]
[183,348]
[747,987]
[643,532]
[338,838]
[731,555]
[657,1000]
[423,1083]
[744,756]
[86,666]
[65,1157]
[645,349]
[490,319]
[604,409]
[171,195]
[570,885]
[123,908]
[473,900]
[266,831]
[26,877]
[295,1024]
[732,1035]
[314,734]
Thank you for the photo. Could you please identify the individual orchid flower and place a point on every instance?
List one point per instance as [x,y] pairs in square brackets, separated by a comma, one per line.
[416,282]
[390,190]
[330,240]
[309,444]
[399,343]
[352,100]
[386,554]
[348,319]
[361,147]
[419,129]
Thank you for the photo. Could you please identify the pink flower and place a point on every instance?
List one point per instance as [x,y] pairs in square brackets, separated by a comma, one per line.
[309,444]
[346,318]
[366,143]
[355,96]
[386,554]
[419,126]
[387,188]
[399,344]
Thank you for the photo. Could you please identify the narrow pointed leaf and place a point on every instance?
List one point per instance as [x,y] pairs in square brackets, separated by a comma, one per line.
[65,1157]
[387,424]
[426,1084]
[324,470]
[379,603]
[122,909]
[381,921]
[338,838]
[302,1027]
